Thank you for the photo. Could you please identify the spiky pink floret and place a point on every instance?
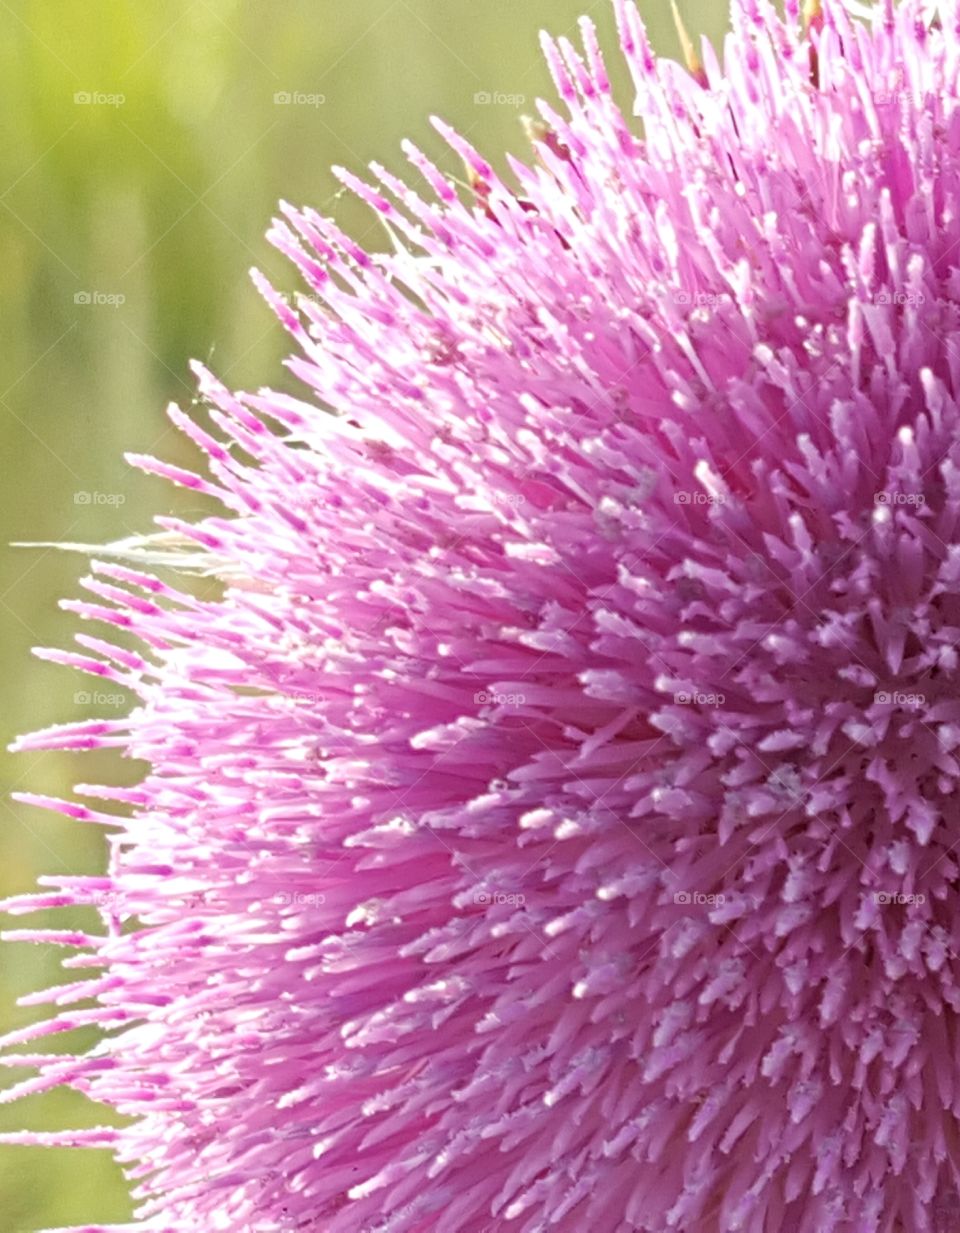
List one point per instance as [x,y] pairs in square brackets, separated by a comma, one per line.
[551,826]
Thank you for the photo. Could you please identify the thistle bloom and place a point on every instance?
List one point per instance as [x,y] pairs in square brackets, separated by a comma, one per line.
[551,825]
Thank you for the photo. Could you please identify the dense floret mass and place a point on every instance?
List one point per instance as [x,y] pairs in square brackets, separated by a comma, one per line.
[552,824]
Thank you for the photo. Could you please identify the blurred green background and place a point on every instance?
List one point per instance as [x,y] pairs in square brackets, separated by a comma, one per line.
[143,152]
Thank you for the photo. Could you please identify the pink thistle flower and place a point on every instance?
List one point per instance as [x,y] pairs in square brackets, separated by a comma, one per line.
[551,827]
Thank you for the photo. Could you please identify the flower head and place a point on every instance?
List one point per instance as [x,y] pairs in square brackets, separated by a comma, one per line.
[551,826]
